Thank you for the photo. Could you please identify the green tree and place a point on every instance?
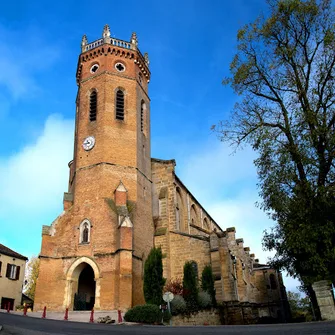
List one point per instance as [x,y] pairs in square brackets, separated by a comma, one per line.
[190,285]
[153,277]
[207,282]
[31,276]
[284,72]
[300,307]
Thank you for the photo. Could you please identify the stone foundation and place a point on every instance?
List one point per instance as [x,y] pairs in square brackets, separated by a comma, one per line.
[324,296]
[230,313]
[201,318]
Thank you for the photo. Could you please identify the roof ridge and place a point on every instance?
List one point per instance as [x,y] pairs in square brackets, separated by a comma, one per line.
[9,252]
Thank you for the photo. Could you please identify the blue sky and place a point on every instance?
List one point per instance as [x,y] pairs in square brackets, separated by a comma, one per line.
[190,45]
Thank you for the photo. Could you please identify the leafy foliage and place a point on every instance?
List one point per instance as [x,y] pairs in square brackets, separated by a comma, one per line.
[175,286]
[144,314]
[207,283]
[31,276]
[284,72]
[204,300]
[178,305]
[300,307]
[190,285]
[153,277]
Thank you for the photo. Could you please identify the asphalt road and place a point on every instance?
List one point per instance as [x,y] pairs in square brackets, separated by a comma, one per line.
[20,325]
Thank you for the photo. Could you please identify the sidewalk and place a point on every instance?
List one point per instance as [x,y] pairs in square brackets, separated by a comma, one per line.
[77,316]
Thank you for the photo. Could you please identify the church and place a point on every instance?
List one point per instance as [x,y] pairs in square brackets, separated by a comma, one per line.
[121,202]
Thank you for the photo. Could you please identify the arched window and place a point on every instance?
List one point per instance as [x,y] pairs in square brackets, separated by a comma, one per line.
[119,110]
[85,233]
[194,215]
[143,108]
[206,224]
[273,283]
[85,229]
[93,106]
[177,218]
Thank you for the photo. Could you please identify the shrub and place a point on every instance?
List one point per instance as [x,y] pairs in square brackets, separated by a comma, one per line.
[153,277]
[166,316]
[207,283]
[144,314]
[204,300]
[190,285]
[178,305]
[175,286]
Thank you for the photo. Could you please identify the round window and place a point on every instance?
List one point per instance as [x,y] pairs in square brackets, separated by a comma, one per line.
[94,68]
[120,67]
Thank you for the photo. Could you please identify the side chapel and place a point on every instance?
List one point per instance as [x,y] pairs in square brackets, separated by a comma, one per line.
[121,202]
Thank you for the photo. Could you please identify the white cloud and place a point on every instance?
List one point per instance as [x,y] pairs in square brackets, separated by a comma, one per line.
[291,283]
[34,179]
[219,169]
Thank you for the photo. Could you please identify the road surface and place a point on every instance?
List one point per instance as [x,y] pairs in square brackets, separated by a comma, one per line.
[20,325]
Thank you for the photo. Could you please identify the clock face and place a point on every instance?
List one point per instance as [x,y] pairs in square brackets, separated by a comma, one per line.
[88,143]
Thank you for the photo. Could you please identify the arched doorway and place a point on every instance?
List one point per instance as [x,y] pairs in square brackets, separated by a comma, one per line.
[84,298]
[82,290]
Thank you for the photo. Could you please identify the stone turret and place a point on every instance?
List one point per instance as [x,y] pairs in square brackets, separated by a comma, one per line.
[133,40]
[83,43]
[106,34]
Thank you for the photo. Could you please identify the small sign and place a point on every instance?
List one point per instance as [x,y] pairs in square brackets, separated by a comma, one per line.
[168,296]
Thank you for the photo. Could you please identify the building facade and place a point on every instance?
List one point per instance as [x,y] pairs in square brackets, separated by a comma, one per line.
[121,202]
[12,268]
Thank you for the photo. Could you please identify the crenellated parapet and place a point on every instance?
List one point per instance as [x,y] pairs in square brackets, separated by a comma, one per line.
[107,39]
[108,45]
[185,231]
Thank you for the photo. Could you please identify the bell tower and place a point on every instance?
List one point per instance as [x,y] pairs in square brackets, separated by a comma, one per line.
[112,105]
[107,220]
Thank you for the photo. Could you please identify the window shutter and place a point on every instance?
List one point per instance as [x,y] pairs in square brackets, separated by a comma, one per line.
[8,270]
[142,116]
[93,106]
[17,273]
[0,268]
[119,105]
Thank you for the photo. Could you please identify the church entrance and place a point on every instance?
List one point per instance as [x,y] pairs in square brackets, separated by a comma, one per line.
[82,289]
[84,298]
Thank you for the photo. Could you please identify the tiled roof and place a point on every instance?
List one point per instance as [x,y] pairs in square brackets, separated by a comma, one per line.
[9,252]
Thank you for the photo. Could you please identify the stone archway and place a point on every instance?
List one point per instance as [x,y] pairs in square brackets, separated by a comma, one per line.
[72,280]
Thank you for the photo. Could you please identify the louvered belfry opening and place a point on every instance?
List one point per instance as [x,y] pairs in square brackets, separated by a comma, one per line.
[119,105]
[93,106]
[142,116]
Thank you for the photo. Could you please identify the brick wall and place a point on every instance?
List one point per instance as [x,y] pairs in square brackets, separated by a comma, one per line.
[121,152]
